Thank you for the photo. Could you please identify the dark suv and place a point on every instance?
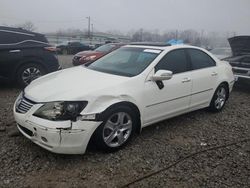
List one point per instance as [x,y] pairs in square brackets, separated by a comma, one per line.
[71,48]
[25,55]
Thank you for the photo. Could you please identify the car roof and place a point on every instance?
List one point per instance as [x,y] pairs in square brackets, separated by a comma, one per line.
[18,30]
[162,47]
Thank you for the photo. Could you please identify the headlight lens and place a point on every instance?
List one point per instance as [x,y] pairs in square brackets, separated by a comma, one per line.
[59,111]
[90,58]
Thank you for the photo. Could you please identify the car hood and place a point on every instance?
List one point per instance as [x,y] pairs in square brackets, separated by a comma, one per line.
[88,53]
[240,45]
[71,84]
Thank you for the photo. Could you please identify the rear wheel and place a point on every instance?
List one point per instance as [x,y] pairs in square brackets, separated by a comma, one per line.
[219,99]
[116,130]
[29,72]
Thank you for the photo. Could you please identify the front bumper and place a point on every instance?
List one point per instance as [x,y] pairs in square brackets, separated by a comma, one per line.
[64,137]
[76,60]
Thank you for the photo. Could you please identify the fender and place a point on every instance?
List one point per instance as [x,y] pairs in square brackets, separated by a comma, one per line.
[102,103]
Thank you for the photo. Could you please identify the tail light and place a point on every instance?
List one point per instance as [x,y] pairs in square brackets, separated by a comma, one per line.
[51,48]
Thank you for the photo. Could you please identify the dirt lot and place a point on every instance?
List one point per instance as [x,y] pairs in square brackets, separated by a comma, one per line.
[163,146]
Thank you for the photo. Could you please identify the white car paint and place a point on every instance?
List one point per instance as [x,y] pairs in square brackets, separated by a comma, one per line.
[183,93]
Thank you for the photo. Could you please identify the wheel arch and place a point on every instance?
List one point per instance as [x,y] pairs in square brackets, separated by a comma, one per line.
[130,105]
[24,62]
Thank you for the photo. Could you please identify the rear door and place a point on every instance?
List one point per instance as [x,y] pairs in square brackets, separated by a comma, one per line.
[204,76]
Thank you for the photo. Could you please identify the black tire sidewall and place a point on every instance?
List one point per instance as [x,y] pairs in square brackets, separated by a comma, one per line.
[98,135]
[24,67]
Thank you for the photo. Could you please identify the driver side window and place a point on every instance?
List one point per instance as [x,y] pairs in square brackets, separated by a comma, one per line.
[175,61]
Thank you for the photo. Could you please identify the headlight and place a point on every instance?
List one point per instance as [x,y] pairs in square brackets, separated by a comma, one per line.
[90,58]
[58,111]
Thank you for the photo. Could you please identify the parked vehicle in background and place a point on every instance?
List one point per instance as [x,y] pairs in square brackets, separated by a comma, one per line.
[221,53]
[25,55]
[130,88]
[89,56]
[71,48]
[240,61]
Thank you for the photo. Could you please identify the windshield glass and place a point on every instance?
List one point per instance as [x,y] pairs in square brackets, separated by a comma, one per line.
[125,61]
[105,48]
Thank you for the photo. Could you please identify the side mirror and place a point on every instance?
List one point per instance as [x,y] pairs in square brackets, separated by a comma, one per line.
[162,75]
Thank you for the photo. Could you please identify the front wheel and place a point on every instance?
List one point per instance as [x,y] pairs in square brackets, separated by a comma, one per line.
[219,99]
[116,130]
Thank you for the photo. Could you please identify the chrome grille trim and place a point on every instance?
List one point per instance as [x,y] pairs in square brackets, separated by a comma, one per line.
[24,105]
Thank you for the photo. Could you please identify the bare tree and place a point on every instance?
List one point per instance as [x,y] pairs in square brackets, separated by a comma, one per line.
[27,26]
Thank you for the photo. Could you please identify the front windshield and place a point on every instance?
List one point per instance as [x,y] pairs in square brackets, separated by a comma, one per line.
[105,48]
[126,61]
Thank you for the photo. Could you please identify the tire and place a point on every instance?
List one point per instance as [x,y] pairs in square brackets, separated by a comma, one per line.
[219,98]
[115,131]
[29,72]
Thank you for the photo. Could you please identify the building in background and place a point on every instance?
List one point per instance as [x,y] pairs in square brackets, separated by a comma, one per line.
[96,38]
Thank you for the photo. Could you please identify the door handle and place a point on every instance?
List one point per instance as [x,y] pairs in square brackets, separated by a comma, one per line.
[214,74]
[14,51]
[186,80]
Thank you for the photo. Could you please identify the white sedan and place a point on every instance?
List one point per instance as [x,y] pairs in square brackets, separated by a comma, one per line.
[113,98]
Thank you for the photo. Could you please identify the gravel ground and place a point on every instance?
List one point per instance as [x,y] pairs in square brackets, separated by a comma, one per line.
[23,164]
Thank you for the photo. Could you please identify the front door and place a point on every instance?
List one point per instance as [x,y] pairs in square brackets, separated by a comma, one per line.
[174,97]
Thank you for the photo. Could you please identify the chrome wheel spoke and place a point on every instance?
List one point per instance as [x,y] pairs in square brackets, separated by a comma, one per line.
[111,137]
[121,138]
[110,125]
[121,117]
[126,126]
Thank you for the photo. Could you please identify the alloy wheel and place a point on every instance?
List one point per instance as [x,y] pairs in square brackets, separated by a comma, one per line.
[117,129]
[221,98]
[30,74]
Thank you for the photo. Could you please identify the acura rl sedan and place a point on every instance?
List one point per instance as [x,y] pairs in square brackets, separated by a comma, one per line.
[116,96]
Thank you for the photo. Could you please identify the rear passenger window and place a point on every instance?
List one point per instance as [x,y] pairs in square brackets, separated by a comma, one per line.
[200,59]
[174,61]
[8,38]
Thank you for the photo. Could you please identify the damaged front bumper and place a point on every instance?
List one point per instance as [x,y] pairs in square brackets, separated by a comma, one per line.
[65,137]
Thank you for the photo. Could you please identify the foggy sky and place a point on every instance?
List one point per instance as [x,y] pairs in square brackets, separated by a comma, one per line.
[126,15]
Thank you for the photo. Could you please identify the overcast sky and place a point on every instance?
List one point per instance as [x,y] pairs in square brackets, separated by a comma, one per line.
[126,15]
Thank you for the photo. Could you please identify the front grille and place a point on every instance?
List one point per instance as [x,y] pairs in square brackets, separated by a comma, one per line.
[24,105]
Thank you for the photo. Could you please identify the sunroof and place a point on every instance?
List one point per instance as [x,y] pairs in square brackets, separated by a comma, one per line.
[161,44]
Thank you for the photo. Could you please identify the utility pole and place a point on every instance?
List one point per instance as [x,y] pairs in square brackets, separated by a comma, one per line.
[88,26]
[92,28]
